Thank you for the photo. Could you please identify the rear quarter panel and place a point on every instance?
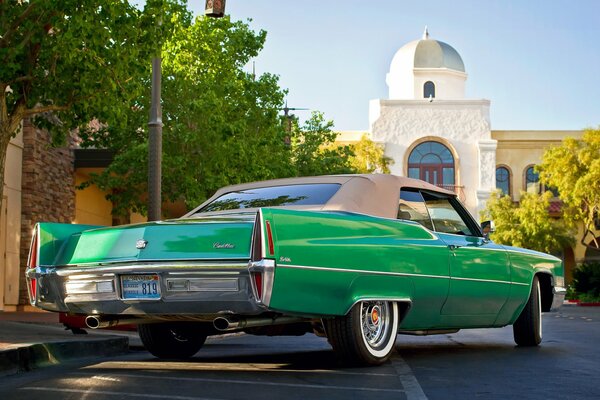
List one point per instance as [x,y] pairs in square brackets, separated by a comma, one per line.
[326,261]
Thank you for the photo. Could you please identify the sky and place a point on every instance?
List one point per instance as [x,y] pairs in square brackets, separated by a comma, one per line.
[537,61]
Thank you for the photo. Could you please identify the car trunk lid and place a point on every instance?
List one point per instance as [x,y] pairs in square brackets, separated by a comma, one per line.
[177,240]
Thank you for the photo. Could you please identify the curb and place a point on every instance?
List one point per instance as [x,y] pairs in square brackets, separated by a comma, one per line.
[28,358]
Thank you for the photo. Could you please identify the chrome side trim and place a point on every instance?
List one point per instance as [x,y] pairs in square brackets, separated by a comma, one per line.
[361,271]
[488,280]
[397,274]
[395,299]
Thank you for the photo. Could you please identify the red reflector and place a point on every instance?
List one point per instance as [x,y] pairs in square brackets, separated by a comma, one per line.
[258,282]
[270,239]
[32,289]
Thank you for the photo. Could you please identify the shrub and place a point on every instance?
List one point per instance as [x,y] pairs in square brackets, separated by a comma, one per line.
[586,279]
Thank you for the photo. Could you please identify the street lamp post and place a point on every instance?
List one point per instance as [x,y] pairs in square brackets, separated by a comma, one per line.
[155,145]
[215,9]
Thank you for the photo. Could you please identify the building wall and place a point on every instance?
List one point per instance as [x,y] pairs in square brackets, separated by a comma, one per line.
[48,189]
[10,226]
[91,206]
[448,84]
[518,150]
[462,125]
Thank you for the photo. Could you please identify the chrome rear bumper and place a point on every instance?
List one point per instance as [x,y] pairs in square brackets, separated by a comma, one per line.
[559,297]
[192,288]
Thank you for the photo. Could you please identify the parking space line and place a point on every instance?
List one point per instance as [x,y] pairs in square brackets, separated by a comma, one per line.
[412,388]
[112,393]
[244,382]
[224,367]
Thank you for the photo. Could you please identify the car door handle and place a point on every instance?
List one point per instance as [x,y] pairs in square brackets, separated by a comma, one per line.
[453,247]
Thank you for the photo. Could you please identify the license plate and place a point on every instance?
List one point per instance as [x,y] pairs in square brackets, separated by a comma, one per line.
[140,286]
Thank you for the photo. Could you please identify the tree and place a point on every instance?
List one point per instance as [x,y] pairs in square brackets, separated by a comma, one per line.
[68,62]
[369,157]
[528,223]
[221,123]
[574,169]
[314,151]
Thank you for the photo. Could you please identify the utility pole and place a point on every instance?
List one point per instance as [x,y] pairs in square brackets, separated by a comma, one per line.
[215,9]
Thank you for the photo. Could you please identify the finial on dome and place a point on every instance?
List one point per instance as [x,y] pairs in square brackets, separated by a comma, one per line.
[426,33]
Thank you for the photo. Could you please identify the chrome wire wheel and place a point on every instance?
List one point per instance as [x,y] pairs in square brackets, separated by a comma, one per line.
[366,334]
[375,323]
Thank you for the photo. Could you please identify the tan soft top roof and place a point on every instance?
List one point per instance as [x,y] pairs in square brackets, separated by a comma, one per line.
[372,194]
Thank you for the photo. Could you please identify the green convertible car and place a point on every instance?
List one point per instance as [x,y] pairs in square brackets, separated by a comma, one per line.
[356,258]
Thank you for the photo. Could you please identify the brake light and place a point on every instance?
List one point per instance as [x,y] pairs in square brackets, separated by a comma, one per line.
[33,252]
[270,238]
[258,282]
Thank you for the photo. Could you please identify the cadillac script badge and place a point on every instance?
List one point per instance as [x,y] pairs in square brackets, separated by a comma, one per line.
[218,245]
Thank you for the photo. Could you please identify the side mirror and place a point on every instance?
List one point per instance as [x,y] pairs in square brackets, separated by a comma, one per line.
[488,227]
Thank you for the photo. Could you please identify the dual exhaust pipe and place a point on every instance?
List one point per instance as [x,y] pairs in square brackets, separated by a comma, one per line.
[222,324]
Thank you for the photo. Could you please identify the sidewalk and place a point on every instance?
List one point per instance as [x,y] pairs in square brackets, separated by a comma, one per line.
[30,340]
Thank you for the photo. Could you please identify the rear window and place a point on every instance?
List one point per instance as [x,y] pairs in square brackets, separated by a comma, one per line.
[291,195]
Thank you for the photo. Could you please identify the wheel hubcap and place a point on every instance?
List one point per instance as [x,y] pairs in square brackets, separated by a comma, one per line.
[375,316]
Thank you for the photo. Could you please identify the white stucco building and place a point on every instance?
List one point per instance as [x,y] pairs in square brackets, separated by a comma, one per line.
[430,130]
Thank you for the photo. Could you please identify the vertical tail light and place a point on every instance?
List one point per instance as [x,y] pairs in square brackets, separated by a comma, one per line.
[32,263]
[257,247]
[270,238]
[257,276]
[262,270]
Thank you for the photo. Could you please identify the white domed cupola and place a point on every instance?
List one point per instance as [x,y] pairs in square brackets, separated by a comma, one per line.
[426,69]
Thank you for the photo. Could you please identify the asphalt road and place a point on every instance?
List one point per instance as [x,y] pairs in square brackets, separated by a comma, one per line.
[482,363]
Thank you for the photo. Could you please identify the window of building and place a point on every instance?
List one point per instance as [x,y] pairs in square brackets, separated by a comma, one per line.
[429,90]
[532,181]
[503,180]
[432,162]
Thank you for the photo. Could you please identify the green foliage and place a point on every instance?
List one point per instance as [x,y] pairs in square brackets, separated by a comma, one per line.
[369,157]
[314,151]
[221,123]
[526,224]
[68,62]
[586,281]
[574,169]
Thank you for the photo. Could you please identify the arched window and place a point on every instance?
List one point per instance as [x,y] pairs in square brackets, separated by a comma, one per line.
[432,162]
[429,90]
[532,181]
[503,180]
